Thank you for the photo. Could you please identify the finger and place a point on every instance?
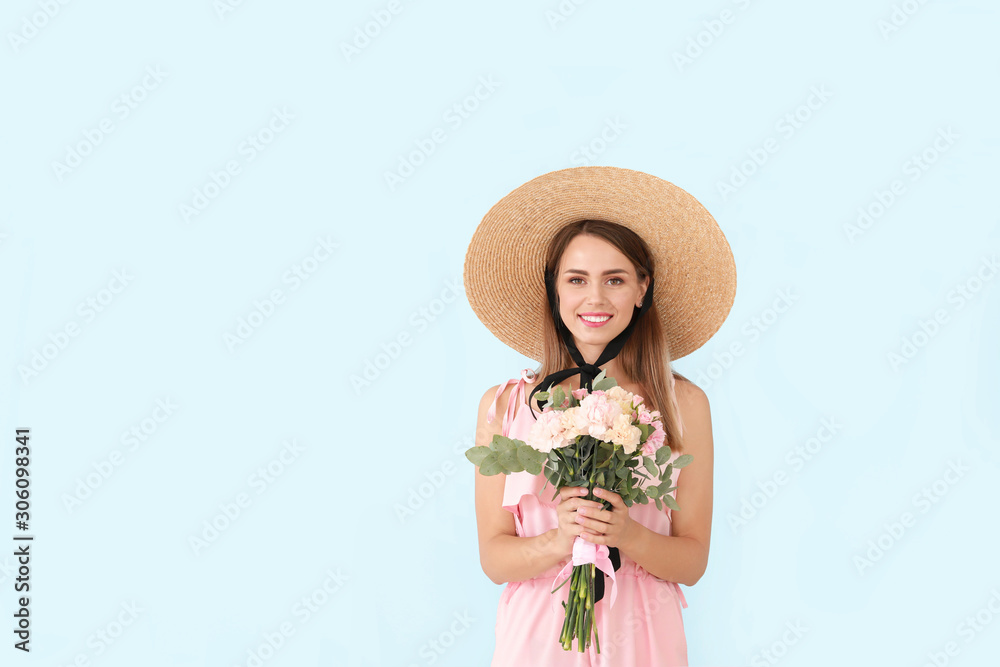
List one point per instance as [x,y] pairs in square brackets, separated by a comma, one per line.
[596,513]
[592,525]
[611,497]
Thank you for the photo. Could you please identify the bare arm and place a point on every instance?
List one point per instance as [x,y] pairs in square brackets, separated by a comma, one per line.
[683,556]
[504,555]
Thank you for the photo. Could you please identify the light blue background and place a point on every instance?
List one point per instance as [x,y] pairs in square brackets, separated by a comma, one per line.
[334,505]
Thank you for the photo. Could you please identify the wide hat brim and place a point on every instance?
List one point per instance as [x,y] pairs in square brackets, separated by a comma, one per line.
[695,273]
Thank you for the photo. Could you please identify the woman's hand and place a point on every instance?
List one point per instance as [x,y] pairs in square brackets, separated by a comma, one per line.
[612,527]
[570,499]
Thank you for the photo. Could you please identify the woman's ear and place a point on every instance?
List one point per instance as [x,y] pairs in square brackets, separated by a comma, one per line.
[642,293]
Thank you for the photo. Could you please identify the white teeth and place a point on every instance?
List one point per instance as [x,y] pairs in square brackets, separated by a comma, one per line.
[603,318]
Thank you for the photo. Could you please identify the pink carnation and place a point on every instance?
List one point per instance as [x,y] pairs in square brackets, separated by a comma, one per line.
[547,432]
[655,439]
[596,414]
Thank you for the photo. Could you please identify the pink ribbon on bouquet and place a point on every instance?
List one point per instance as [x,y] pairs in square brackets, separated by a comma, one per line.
[584,553]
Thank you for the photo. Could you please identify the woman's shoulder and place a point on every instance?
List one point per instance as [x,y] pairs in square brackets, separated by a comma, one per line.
[692,403]
[498,401]
[686,390]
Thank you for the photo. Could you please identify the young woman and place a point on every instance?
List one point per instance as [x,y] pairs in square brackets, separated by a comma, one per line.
[594,294]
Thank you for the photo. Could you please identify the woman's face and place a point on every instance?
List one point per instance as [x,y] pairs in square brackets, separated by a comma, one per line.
[598,288]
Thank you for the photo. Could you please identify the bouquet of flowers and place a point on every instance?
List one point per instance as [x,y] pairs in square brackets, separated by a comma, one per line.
[604,437]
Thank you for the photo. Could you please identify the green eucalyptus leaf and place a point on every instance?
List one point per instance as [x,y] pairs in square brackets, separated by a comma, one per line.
[509,461]
[653,492]
[603,382]
[667,473]
[683,460]
[477,454]
[671,503]
[490,465]
[662,454]
[501,444]
[559,396]
[646,430]
[659,505]
[604,453]
[552,476]
[530,458]
[651,465]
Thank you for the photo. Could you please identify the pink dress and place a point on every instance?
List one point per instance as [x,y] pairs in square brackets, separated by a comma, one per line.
[644,628]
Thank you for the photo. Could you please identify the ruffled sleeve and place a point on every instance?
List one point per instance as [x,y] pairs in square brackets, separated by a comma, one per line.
[516,424]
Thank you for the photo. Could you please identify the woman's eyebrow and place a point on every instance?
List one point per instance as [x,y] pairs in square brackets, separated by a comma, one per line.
[608,272]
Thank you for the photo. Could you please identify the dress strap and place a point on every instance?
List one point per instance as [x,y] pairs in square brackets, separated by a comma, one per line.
[516,396]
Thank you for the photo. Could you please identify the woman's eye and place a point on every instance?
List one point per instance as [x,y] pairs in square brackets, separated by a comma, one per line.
[619,280]
[572,279]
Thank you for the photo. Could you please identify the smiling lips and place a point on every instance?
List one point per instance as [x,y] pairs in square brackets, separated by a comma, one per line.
[594,319]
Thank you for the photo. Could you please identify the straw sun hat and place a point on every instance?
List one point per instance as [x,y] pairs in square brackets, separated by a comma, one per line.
[694,270]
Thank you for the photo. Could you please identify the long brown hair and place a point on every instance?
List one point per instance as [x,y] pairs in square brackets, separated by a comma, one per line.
[645,358]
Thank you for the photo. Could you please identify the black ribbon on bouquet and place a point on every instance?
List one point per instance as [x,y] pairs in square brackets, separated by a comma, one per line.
[587,374]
